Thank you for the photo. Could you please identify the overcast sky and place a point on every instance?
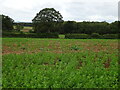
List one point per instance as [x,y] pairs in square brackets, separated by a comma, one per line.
[77,10]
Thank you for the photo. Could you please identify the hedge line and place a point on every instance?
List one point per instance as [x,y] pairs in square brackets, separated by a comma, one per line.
[67,36]
[31,35]
[77,36]
[92,36]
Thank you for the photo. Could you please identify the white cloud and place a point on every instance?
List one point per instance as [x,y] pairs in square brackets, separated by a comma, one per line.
[25,10]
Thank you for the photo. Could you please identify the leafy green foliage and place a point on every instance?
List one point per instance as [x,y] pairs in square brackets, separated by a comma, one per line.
[110,36]
[90,27]
[69,27]
[7,23]
[61,36]
[95,35]
[31,35]
[47,20]
[41,71]
[75,48]
[92,36]
[86,68]
[77,36]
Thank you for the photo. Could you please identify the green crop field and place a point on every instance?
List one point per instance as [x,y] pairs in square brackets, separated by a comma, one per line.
[59,63]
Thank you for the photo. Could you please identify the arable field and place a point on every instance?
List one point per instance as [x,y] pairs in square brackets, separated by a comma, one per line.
[26,29]
[59,63]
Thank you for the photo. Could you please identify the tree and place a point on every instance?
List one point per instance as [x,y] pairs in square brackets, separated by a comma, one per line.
[70,27]
[47,20]
[7,23]
[114,27]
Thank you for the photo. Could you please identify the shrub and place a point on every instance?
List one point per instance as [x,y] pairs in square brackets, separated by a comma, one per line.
[110,36]
[31,31]
[95,35]
[31,35]
[62,36]
[19,27]
[47,35]
[77,36]
[21,32]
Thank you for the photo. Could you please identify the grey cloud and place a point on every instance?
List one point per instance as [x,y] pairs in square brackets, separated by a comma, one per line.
[77,11]
[83,10]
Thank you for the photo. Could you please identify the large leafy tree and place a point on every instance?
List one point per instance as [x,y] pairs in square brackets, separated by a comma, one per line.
[7,23]
[47,20]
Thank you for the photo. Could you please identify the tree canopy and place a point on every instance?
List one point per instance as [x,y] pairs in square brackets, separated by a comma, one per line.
[47,20]
[7,23]
[90,27]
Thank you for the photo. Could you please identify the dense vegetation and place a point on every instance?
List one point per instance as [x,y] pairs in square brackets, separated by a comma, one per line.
[59,63]
[30,35]
[92,36]
[49,20]
[90,27]
[7,23]
[70,27]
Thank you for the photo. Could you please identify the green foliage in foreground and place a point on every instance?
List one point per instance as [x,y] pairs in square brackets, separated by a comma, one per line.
[59,63]
[51,70]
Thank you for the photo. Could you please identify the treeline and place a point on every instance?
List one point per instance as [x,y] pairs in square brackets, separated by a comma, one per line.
[56,35]
[23,23]
[89,27]
[49,23]
[85,27]
[68,27]
[49,20]
[91,30]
